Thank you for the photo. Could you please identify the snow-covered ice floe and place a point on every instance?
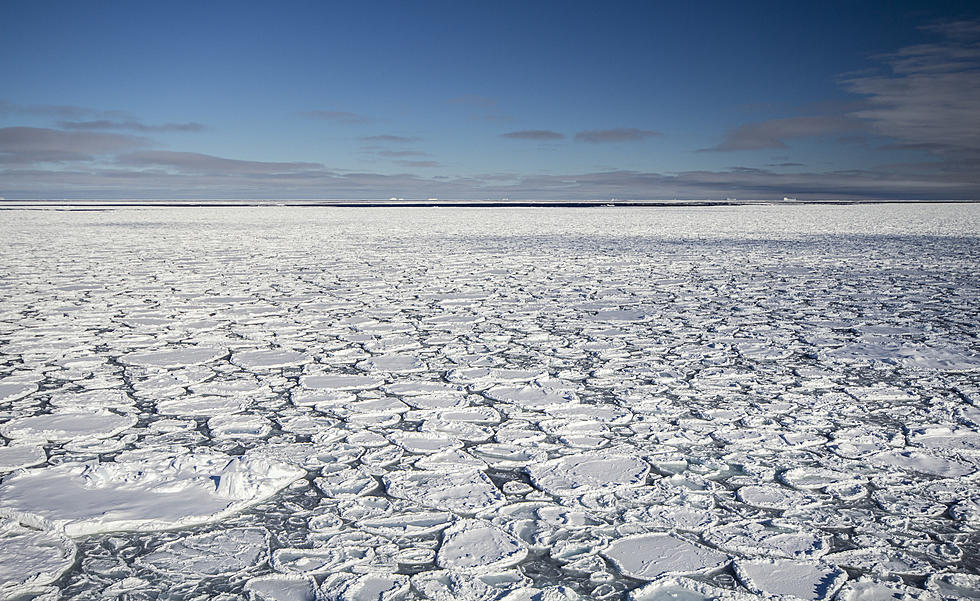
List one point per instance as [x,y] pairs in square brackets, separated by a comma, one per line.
[741,403]
[156,493]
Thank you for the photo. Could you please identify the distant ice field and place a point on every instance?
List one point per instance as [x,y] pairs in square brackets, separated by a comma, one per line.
[278,403]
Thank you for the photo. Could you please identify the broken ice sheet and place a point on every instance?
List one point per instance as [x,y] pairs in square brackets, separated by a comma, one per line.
[774,388]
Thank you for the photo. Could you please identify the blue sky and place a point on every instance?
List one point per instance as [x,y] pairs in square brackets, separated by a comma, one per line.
[638,100]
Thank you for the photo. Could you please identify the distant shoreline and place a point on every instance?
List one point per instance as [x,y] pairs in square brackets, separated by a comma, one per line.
[489,204]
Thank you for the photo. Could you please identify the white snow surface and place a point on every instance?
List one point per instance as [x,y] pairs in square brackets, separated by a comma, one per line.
[491,404]
[160,492]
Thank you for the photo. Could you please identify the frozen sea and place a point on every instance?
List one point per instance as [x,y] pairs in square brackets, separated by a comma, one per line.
[297,403]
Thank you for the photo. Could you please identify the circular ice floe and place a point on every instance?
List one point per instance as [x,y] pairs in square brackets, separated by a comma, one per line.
[239,426]
[620,315]
[916,461]
[773,497]
[302,397]
[340,382]
[220,553]
[476,544]
[395,364]
[31,554]
[951,585]
[868,589]
[420,387]
[319,560]
[453,585]
[11,391]
[532,397]
[790,579]
[588,473]
[172,358]
[774,538]
[814,478]
[955,439]
[424,442]
[375,586]
[263,360]
[674,588]
[157,492]
[346,482]
[464,493]
[649,556]
[606,413]
[279,587]
[67,425]
[18,456]
[884,562]
[666,517]
[200,405]
[93,399]
[408,524]
[450,461]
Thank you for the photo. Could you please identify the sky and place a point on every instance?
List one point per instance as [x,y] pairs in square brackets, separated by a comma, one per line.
[488,100]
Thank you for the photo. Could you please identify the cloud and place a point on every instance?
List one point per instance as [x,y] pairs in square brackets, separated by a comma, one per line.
[390,138]
[25,145]
[621,134]
[541,135]
[338,117]
[60,111]
[402,153]
[425,164]
[195,163]
[105,124]
[929,95]
[775,132]
[189,175]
